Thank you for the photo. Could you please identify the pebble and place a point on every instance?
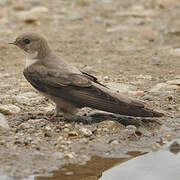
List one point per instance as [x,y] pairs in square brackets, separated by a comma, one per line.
[85,132]
[174,147]
[147,97]
[169,137]
[38,155]
[33,15]
[148,77]
[174,82]
[69,173]
[131,127]
[175,52]
[59,139]
[140,93]
[155,147]
[24,126]
[72,133]
[156,60]
[58,155]
[22,100]
[106,78]
[9,109]
[48,128]
[30,94]
[62,147]
[88,69]
[110,125]
[69,156]
[75,16]
[168,86]
[65,130]
[121,87]
[114,142]
[3,123]
[18,6]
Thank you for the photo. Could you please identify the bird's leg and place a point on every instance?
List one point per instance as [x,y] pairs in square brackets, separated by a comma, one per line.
[56,112]
[69,113]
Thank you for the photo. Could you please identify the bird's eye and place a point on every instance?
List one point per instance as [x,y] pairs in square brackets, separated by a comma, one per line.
[26,41]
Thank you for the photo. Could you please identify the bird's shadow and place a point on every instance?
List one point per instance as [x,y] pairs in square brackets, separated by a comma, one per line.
[125,120]
[91,118]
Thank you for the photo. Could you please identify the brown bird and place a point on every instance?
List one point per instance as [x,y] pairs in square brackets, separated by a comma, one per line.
[69,87]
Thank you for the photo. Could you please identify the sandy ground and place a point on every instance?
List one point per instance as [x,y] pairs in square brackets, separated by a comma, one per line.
[130,46]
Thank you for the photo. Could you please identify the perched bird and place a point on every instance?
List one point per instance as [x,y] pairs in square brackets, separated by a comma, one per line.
[69,87]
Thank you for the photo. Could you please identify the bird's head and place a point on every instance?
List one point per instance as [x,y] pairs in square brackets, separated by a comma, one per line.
[32,44]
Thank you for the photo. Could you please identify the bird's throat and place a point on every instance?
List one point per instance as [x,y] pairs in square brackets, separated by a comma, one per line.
[31,59]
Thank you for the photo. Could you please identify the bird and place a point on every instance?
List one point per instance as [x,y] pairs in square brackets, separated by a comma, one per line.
[68,87]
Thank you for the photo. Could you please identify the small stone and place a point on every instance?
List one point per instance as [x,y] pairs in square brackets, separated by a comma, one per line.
[69,156]
[30,19]
[18,6]
[174,147]
[69,173]
[140,93]
[72,133]
[33,15]
[114,142]
[147,97]
[169,137]
[85,132]
[121,87]
[75,16]
[158,87]
[48,128]
[111,125]
[156,60]
[9,109]
[62,147]
[22,100]
[65,130]
[148,77]
[58,155]
[59,140]
[137,8]
[88,69]
[29,94]
[174,82]
[7,169]
[3,123]
[131,127]
[116,29]
[31,130]
[155,147]
[175,52]
[24,126]
[38,155]
[106,78]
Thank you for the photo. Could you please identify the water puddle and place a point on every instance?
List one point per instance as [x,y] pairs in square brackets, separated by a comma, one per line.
[92,170]
[161,165]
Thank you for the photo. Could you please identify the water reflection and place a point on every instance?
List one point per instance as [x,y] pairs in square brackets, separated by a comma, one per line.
[161,165]
[92,170]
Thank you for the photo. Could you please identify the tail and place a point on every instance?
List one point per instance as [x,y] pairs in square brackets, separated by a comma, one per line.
[118,104]
[129,109]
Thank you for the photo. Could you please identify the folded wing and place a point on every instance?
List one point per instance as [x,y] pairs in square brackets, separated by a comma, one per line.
[84,90]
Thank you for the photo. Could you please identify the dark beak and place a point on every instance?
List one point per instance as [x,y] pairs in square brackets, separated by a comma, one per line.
[14,43]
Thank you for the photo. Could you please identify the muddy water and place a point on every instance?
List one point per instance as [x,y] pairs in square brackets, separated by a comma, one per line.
[93,170]
[160,165]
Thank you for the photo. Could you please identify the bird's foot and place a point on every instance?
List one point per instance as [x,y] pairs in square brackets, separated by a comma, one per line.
[83,119]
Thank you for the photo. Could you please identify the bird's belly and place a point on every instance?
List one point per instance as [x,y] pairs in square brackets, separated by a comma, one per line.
[59,101]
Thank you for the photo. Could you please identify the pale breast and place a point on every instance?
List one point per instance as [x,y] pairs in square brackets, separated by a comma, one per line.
[31,59]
